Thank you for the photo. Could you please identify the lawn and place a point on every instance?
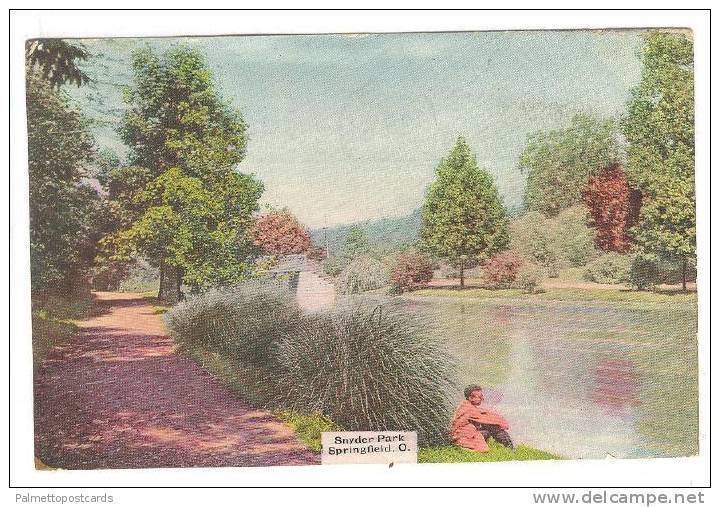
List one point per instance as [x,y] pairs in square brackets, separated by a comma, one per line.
[565,294]
[307,427]
[455,454]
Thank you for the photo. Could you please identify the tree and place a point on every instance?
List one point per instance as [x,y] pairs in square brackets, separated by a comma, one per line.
[553,243]
[356,242]
[410,270]
[280,233]
[502,269]
[181,202]
[177,119]
[659,127]
[614,208]
[192,234]
[558,162]
[462,217]
[65,213]
[56,61]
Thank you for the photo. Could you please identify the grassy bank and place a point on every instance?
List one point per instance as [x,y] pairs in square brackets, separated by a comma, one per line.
[54,322]
[309,426]
[565,294]
[159,306]
[455,454]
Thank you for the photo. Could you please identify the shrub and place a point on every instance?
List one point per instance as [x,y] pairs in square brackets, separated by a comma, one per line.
[367,369]
[608,268]
[263,264]
[553,243]
[411,269]
[502,269]
[362,274]
[671,272]
[644,273]
[279,232]
[333,266]
[574,239]
[241,322]
[529,277]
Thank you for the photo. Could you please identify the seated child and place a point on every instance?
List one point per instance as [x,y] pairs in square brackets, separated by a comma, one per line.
[473,424]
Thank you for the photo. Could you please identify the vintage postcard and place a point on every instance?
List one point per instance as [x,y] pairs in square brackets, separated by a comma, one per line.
[444,247]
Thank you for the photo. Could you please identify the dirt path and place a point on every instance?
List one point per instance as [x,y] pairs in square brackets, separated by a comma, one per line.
[118,396]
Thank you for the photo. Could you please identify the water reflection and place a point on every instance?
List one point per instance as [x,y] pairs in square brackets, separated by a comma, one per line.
[615,385]
[582,381]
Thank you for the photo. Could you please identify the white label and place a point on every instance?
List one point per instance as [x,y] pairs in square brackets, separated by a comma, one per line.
[352,447]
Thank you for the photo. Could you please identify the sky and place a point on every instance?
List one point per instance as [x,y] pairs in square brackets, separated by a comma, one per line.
[348,128]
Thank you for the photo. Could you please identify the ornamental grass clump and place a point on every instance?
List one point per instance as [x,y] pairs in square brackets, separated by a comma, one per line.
[240,323]
[367,369]
[362,274]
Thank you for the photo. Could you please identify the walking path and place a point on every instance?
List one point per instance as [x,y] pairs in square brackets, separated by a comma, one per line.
[119,396]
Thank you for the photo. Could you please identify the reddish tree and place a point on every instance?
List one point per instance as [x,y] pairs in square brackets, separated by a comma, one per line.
[411,270]
[614,208]
[502,269]
[280,233]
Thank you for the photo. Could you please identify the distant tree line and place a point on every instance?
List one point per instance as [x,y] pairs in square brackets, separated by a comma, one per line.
[179,202]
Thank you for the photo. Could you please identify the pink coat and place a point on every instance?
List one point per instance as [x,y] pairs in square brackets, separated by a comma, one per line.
[465,433]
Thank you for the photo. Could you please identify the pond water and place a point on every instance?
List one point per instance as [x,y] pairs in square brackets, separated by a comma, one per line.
[584,380]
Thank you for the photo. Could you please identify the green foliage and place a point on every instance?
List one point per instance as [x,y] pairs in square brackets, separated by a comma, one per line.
[181,204]
[55,60]
[356,243]
[455,454]
[334,265]
[644,273]
[529,277]
[53,321]
[47,334]
[558,162]
[393,233]
[176,117]
[308,427]
[141,277]
[462,215]
[104,162]
[534,237]
[362,274]
[66,216]
[610,267]
[553,243]
[195,229]
[573,238]
[672,272]
[368,369]
[125,193]
[659,127]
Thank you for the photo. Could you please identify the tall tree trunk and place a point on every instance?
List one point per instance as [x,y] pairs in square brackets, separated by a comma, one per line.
[170,284]
[162,280]
[462,273]
[684,275]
